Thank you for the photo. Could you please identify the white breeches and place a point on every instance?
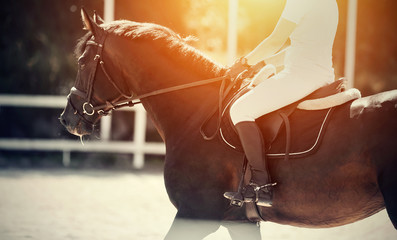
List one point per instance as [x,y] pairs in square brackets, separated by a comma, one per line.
[272,94]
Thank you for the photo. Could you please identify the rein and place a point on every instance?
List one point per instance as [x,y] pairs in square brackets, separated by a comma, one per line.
[129,102]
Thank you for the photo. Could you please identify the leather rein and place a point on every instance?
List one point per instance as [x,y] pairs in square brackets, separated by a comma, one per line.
[128,101]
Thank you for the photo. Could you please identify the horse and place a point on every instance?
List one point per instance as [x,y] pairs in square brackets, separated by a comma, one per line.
[349,177]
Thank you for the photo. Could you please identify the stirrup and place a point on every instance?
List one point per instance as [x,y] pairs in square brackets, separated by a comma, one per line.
[266,200]
[236,198]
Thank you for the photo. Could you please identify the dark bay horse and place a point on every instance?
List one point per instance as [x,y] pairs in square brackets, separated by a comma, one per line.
[352,175]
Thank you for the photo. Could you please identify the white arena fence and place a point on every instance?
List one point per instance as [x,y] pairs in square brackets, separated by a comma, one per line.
[138,146]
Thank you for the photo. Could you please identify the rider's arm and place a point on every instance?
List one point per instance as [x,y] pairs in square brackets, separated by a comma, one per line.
[273,42]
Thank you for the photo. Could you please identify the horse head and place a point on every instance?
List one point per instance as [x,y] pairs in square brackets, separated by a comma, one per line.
[94,91]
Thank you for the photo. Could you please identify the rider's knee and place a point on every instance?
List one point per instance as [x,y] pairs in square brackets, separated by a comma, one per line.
[240,113]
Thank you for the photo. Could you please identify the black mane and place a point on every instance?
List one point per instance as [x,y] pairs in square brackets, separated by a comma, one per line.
[170,42]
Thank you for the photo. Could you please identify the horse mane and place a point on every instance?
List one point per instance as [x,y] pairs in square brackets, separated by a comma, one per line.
[165,39]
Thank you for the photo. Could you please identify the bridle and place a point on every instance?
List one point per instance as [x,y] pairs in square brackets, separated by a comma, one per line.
[128,101]
[88,108]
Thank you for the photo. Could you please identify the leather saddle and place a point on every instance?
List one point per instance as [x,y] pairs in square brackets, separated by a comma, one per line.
[270,124]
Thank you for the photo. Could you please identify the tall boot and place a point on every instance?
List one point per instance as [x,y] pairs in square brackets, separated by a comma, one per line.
[252,142]
[260,188]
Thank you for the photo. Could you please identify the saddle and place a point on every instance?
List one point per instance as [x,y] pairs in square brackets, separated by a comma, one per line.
[271,124]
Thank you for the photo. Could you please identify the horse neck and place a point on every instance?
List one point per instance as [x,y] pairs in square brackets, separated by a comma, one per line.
[180,110]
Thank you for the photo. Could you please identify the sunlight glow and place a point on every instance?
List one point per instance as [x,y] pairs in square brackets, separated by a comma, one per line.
[209,21]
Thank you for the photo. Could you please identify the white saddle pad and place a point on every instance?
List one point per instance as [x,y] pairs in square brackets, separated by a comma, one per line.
[330,101]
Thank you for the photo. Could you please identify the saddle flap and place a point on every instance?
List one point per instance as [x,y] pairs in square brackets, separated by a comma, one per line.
[271,123]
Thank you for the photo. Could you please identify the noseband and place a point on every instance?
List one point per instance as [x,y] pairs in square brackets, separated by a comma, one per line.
[128,101]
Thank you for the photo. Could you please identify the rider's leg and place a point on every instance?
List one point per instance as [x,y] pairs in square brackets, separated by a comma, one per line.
[252,142]
[280,91]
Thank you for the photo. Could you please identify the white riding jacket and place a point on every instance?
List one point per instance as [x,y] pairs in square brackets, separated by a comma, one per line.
[307,63]
[310,53]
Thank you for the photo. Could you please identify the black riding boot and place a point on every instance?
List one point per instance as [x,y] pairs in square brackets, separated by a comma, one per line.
[260,188]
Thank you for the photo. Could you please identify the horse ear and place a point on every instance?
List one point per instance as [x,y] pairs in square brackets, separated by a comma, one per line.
[97,19]
[90,24]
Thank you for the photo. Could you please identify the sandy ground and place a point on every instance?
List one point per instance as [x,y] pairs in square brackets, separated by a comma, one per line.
[95,204]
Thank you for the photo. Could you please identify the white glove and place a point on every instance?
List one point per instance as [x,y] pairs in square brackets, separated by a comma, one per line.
[266,72]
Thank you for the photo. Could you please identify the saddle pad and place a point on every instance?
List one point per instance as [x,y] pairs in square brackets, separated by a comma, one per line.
[330,101]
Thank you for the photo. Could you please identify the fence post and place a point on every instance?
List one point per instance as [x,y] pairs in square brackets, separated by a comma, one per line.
[106,125]
[66,158]
[139,137]
[108,10]
[350,52]
[232,31]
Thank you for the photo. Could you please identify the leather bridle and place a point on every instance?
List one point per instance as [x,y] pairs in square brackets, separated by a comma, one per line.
[88,108]
[128,101]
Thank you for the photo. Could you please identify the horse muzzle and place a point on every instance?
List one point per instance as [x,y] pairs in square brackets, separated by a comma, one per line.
[75,123]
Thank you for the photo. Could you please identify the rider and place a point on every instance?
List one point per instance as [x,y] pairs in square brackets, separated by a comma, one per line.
[307,65]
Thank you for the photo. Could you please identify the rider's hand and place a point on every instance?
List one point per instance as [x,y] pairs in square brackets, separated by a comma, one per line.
[253,70]
[238,67]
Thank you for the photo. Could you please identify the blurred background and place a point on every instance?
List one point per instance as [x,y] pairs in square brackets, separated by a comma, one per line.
[36,47]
